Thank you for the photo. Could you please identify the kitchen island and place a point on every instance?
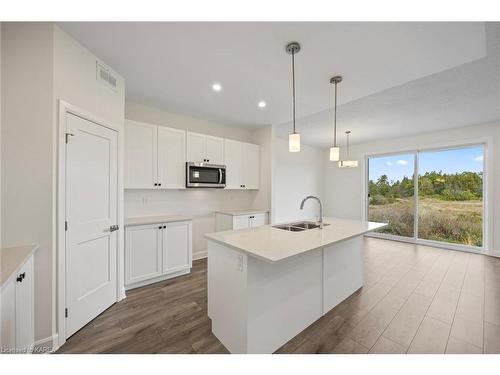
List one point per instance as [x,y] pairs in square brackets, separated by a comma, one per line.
[266,285]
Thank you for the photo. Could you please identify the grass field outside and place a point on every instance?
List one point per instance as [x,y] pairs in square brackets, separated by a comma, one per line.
[457,222]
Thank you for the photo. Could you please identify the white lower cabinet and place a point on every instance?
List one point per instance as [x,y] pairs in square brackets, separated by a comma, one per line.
[17,304]
[225,221]
[155,252]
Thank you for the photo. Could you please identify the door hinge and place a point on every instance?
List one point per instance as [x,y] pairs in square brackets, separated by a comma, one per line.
[68,135]
[65,225]
[66,312]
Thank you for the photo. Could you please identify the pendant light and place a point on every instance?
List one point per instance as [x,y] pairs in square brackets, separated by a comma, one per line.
[348,163]
[294,138]
[335,150]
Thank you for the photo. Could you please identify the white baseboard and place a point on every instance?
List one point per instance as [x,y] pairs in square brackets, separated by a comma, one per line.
[46,345]
[200,255]
[495,253]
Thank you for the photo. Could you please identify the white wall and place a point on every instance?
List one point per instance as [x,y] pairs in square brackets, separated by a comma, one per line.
[296,175]
[41,64]
[198,203]
[344,187]
[27,152]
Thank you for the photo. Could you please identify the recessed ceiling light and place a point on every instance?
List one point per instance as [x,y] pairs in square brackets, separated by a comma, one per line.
[216,87]
[262,104]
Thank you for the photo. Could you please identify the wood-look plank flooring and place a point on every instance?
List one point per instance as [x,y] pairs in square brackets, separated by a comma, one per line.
[415,299]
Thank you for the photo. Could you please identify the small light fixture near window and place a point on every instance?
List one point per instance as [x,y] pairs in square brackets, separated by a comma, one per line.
[294,138]
[335,150]
[348,163]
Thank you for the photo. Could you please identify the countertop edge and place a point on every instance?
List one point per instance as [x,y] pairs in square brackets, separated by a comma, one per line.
[145,220]
[30,253]
[241,212]
[208,236]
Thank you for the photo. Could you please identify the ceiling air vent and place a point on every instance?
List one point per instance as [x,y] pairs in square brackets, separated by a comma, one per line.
[105,76]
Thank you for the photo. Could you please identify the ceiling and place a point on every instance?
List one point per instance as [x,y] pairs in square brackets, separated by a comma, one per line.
[393,72]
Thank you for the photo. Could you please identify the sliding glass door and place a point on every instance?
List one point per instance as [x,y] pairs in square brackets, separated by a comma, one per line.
[450,195]
[444,205]
[391,193]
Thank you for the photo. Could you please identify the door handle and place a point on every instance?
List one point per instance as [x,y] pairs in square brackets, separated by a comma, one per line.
[113,228]
[220,176]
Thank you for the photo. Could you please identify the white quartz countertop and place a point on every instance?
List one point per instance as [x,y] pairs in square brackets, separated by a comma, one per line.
[12,259]
[273,244]
[241,212]
[143,220]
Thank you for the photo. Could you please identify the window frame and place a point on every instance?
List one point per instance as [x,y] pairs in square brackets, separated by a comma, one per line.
[486,143]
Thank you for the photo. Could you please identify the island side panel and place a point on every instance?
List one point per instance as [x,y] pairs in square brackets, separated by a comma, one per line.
[284,298]
[227,296]
[342,271]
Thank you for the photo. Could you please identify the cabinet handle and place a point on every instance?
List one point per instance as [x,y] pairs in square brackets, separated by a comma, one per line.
[159,184]
[160,227]
[21,277]
[156,184]
[164,227]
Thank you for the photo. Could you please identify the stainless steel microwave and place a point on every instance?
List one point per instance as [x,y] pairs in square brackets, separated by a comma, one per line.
[205,175]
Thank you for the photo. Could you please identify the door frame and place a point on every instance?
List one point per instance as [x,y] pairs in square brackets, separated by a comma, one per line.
[59,254]
[487,143]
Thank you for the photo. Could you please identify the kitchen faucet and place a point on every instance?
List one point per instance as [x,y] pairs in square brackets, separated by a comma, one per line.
[320,208]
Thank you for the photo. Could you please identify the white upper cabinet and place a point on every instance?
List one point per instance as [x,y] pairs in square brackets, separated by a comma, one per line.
[155,156]
[242,162]
[196,148]
[232,156]
[203,148]
[140,155]
[171,158]
[251,166]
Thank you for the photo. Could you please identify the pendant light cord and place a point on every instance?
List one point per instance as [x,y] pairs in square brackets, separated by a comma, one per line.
[293,87]
[335,118]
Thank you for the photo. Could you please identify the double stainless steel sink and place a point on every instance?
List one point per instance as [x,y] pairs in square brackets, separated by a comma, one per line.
[299,226]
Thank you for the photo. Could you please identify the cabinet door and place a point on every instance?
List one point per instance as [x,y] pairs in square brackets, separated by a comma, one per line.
[257,220]
[140,155]
[251,166]
[214,150]
[171,158]
[232,160]
[8,306]
[176,247]
[196,148]
[24,308]
[143,252]
[241,222]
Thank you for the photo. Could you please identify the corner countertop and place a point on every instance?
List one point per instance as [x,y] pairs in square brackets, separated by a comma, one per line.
[273,244]
[143,220]
[241,212]
[12,259]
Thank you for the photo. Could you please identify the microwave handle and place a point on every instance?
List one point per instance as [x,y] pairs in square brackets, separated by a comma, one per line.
[220,176]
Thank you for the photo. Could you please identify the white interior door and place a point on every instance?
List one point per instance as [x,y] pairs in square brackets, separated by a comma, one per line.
[91,209]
